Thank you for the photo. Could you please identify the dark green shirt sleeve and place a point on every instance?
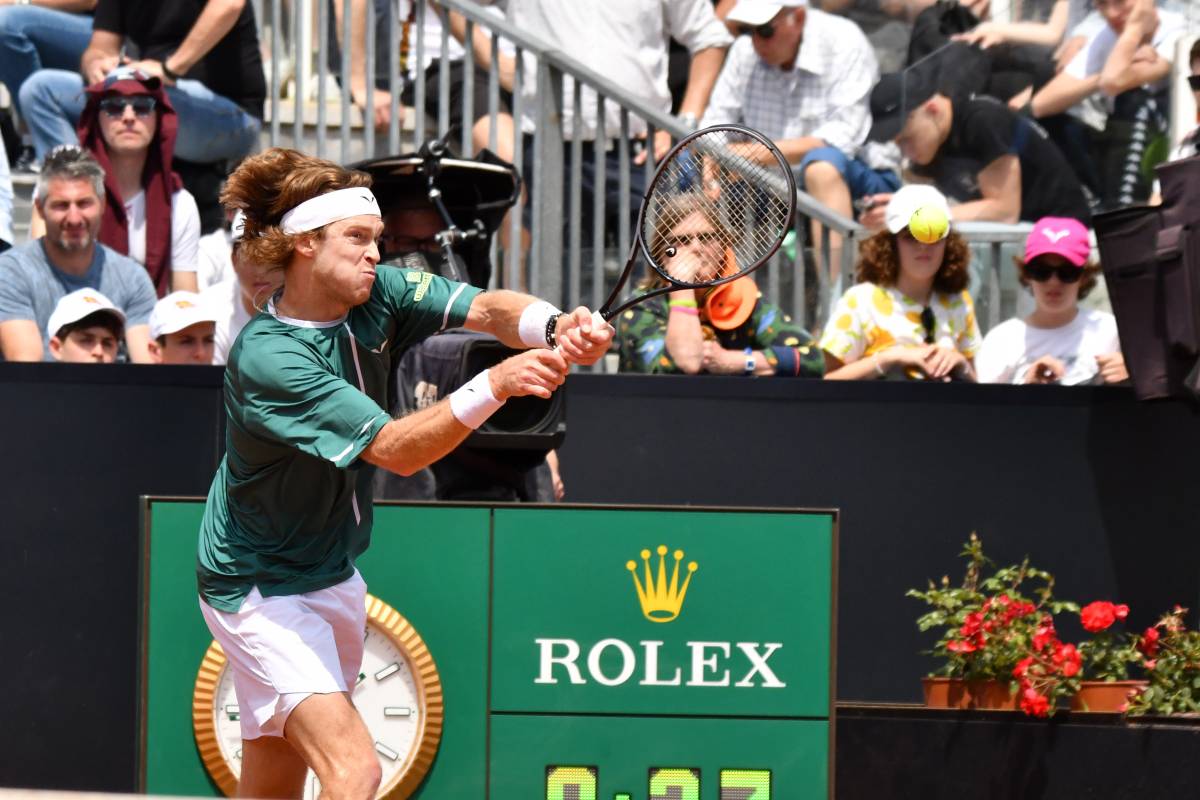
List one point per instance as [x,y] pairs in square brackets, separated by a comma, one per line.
[422,303]
[291,398]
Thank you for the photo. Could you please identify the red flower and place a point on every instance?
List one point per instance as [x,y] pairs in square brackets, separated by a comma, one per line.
[1101,614]
[1044,635]
[961,646]
[1150,662]
[1034,704]
[971,624]
[1022,667]
[1069,660]
[1149,643]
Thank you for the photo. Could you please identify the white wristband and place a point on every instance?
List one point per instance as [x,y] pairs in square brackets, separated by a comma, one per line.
[473,402]
[532,327]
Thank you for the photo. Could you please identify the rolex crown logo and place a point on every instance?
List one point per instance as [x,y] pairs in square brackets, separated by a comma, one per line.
[661,598]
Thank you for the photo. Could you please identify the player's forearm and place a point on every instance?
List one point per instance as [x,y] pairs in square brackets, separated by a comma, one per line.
[499,313]
[415,441]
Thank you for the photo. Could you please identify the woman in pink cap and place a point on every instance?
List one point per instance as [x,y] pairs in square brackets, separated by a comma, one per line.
[1059,342]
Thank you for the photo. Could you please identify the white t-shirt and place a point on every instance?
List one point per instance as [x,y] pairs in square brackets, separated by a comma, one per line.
[1012,346]
[185,229]
[225,299]
[214,262]
[1090,59]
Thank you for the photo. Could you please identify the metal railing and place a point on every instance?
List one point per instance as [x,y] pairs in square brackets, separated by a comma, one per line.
[560,263]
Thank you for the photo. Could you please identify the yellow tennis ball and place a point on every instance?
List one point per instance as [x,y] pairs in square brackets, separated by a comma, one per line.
[928,224]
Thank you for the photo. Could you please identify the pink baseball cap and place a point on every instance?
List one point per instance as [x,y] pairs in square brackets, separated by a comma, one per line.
[1060,236]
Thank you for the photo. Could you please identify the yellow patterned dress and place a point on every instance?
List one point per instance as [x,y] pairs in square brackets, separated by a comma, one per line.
[869,319]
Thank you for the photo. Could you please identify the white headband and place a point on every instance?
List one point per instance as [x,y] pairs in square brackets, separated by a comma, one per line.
[330,207]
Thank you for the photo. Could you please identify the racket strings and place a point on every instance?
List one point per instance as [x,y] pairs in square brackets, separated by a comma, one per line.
[717,209]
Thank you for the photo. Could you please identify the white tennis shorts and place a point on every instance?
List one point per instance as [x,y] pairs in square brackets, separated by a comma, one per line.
[282,649]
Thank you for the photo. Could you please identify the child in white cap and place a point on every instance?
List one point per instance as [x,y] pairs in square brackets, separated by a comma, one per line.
[85,328]
[182,327]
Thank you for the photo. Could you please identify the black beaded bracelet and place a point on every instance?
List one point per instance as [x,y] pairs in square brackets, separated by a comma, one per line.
[169,73]
[551,324]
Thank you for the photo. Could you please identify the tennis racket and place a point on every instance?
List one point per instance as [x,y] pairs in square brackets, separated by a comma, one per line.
[717,208]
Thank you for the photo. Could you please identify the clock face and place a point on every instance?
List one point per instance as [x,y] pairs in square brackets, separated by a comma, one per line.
[398,695]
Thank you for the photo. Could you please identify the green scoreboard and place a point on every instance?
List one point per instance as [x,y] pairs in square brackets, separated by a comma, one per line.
[522,652]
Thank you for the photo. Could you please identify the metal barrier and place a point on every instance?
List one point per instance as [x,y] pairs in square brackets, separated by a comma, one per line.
[561,264]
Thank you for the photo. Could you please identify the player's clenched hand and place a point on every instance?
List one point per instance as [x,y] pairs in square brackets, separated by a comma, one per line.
[583,339]
[534,372]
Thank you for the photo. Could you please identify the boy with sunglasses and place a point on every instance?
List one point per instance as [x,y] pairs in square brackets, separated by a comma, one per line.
[1059,342]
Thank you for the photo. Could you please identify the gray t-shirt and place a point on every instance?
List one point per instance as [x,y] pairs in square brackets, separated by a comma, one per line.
[30,287]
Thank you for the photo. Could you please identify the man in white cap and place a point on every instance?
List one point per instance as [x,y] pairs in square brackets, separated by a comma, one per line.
[85,328]
[181,330]
[236,299]
[803,78]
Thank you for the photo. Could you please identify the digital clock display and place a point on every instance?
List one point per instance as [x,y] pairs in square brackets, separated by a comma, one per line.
[565,782]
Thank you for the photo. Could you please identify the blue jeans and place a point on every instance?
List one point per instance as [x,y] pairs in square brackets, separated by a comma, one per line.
[211,127]
[33,38]
[861,179]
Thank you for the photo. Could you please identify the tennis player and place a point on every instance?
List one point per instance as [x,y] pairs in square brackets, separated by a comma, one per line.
[289,510]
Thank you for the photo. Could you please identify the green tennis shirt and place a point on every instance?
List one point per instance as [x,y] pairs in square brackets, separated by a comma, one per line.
[289,509]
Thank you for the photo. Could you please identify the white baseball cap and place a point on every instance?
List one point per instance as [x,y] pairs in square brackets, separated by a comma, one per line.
[759,12]
[177,311]
[237,227]
[908,199]
[77,305]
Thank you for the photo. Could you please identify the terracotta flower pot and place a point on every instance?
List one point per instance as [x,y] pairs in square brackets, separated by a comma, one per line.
[978,695]
[1105,696]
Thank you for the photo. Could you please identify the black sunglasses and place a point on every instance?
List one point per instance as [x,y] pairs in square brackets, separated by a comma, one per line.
[766,30]
[1067,273]
[115,106]
[1194,82]
[928,323]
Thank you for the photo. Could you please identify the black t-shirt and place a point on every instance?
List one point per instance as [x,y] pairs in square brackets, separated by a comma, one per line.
[983,130]
[232,69]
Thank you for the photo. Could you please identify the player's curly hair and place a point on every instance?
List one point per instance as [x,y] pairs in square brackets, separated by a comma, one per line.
[879,263]
[268,185]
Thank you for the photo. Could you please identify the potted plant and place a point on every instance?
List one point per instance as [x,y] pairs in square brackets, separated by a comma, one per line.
[987,626]
[1107,657]
[1171,655]
[1049,674]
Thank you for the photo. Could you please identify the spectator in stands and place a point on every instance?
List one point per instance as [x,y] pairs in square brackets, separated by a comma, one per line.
[1189,145]
[41,34]
[426,30]
[34,276]
[728,330]
[910,315]
[1058,342]
[1128,61]
[627,43]
[1000,166]
[235,301]
[802,77]
[85,328]
[208,60]
[129,127]
[214,254]
[182,328]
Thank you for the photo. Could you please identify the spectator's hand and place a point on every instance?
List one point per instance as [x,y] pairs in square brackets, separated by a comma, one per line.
[1046,369]
[984,35]
[1067,51]
[716,360]
[1112,367]
[556,481]
[874,211]
[98,67]
[662,146]
[154,68]
[534,372]
[381,105]
[581,340]
[1143,20]
[1146,54]
[1021,98]
[944,363]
